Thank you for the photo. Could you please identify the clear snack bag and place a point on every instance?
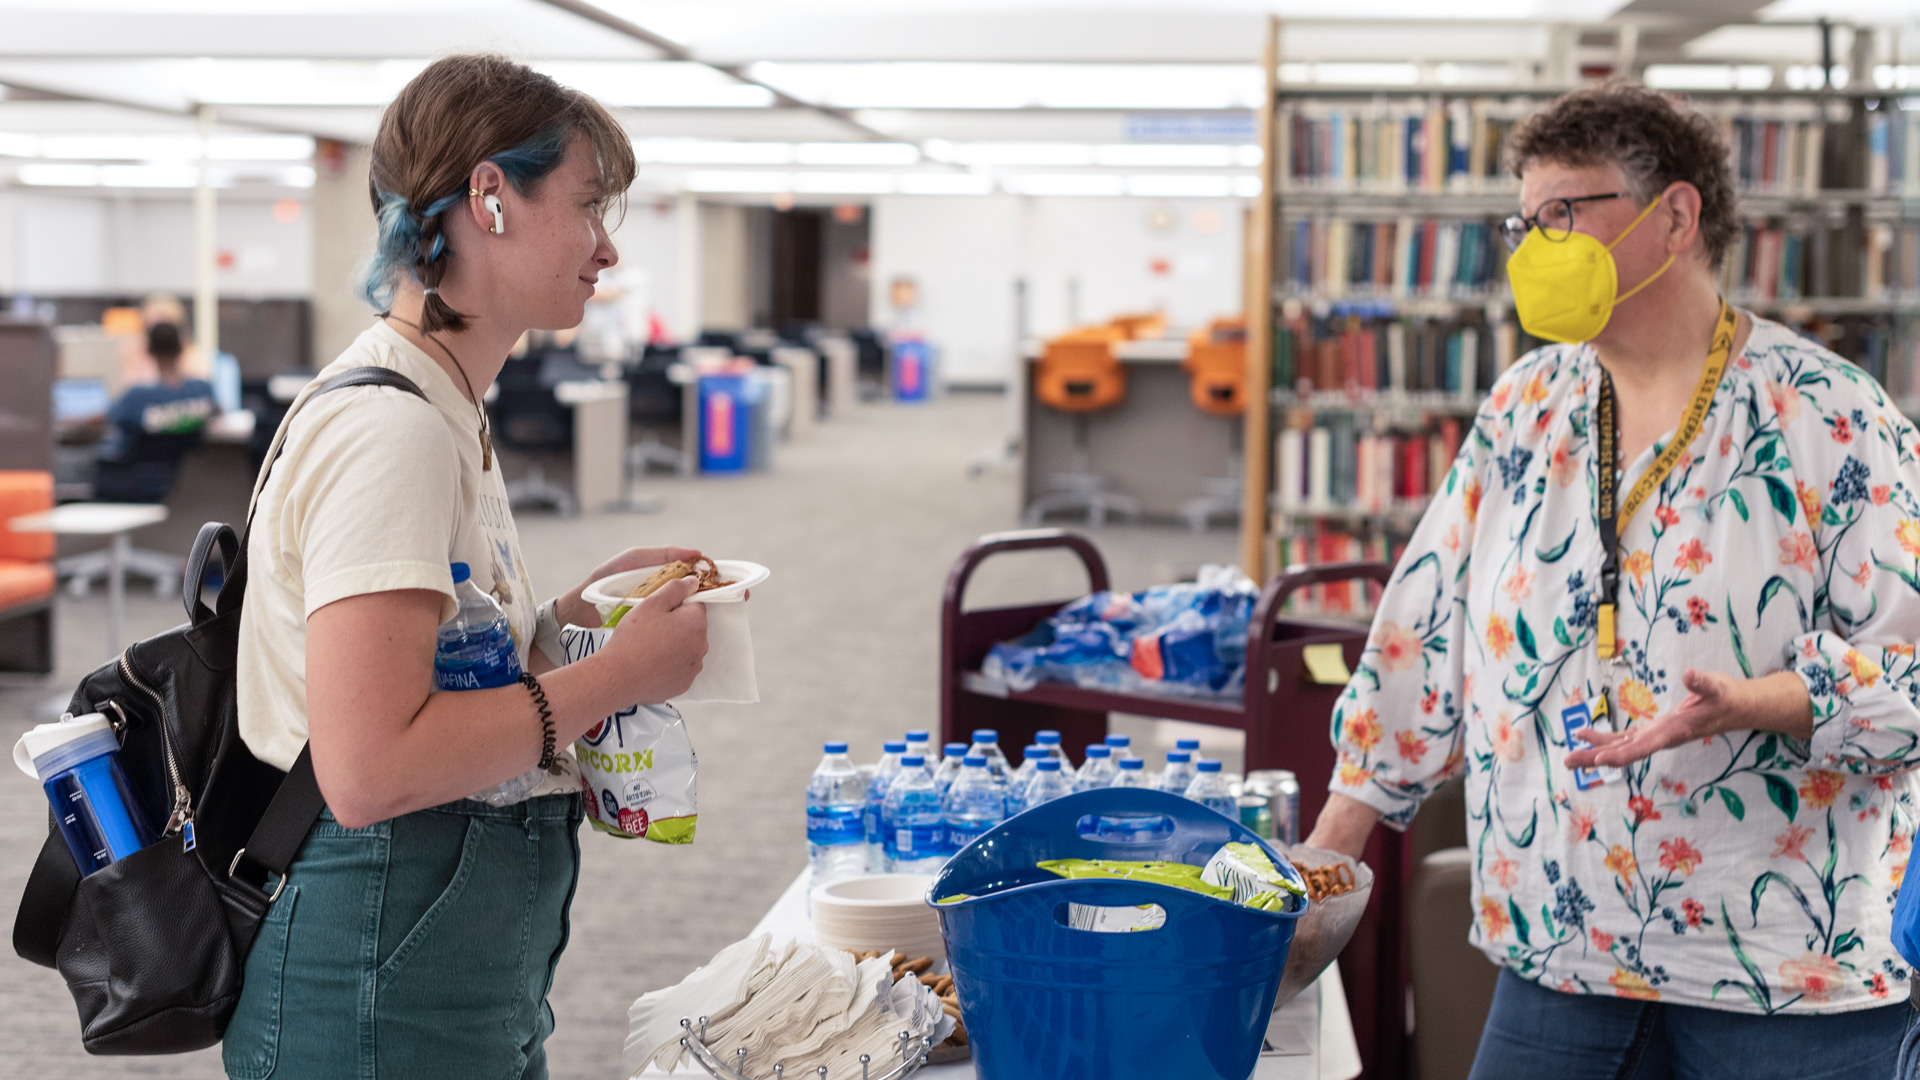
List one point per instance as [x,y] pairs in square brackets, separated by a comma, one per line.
[637,767]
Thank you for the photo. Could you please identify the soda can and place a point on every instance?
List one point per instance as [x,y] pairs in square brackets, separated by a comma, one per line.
[1255,815]
[1282,792]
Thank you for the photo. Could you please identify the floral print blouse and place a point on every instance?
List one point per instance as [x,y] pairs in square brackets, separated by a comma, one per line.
[1751,871]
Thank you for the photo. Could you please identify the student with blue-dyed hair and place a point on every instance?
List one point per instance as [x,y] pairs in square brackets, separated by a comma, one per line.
[417,931]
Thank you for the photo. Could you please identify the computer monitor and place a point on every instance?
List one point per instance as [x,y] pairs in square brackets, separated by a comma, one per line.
[75,400]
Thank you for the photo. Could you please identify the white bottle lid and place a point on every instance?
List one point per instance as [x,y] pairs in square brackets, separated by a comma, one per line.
[49,749]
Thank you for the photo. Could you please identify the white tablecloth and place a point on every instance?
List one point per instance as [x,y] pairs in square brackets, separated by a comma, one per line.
[1316,1021]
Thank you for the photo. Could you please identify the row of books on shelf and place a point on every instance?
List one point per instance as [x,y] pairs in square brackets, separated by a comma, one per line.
[1775,156]
[1346,351]
[1893,151]
[1337,465]
[1320,544]
[1395,147]
[1456,144]
[1402,257]
[1799,258]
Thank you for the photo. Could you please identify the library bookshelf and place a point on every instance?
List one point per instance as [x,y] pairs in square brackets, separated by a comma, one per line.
[1379,315]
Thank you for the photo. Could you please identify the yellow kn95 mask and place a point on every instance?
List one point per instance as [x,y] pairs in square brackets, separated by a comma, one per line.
[1565,290]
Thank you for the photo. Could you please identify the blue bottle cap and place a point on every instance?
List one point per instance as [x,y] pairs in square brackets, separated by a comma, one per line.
[1099,749]
[1034,751]
[1118,741]
[461,572]
[975,761]
[917,735]
[1133,763]
[894,747]
[1188,744]
[1178,757]
[836,748]
[1047,738]
[956,749]
[1051,764]
[1208,765]
[912,761]
[986,735]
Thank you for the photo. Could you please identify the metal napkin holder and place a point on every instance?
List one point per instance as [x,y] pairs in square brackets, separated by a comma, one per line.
[913,1054]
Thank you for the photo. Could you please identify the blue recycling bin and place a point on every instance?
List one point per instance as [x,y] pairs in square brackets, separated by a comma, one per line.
[912,370]
[727,404]
[1042,999]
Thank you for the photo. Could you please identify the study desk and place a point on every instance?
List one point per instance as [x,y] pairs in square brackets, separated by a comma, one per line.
[1314,1029]
[112,520]
[1154,445]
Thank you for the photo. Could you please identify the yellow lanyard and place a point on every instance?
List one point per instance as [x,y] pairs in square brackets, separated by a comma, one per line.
[1611,525]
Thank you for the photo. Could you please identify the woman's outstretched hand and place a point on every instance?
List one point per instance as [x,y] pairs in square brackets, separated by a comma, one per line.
[1716,702]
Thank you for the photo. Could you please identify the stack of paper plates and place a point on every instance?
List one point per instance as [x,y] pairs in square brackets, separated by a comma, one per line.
[879,911]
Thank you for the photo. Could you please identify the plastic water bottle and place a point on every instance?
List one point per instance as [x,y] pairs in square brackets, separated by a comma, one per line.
[1017,783]
[921,742]
[986,744]
[915,831]
[836,805]
[1178,773]
[474,651]
[883,774]
[1209,789]
[1098,770]
[956,752]
[1051,740]
[1122,747]
[975,803]
[1050,782]
[1133,773]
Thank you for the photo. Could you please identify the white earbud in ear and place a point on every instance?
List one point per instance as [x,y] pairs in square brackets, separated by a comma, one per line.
[492,203]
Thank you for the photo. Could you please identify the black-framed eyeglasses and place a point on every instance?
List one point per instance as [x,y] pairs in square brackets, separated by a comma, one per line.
[1554,219]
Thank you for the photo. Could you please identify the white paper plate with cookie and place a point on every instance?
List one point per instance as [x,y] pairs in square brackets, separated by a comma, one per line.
[612,591]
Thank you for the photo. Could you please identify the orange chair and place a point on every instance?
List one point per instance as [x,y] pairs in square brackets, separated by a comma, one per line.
[1216,366]
[1135,327]
[1079,374]
[26,574]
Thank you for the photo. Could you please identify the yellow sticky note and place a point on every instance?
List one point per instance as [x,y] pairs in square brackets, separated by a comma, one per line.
[1327,664]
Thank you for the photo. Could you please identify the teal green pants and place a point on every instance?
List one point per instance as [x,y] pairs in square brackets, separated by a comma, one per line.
[422,946]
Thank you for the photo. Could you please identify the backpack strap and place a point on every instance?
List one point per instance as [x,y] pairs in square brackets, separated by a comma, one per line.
[276,839]
[233,590]
[48,897]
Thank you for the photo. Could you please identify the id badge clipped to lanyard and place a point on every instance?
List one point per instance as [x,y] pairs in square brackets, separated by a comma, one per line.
[1613,518]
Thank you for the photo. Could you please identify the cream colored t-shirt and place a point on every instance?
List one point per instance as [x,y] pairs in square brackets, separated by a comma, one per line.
[375,490]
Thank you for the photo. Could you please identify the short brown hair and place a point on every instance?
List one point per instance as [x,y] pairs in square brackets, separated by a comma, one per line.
[458,112]
[1653,138]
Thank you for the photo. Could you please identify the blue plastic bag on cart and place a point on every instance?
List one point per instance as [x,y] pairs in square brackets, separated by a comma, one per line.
[1188,638]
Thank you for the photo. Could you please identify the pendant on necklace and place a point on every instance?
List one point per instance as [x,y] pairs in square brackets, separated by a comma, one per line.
[486,451]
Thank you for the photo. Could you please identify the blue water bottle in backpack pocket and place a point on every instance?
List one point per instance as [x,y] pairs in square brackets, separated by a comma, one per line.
[77,762]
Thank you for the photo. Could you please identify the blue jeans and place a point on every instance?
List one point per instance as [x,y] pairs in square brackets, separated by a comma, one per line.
[422,946]
[1535,1033]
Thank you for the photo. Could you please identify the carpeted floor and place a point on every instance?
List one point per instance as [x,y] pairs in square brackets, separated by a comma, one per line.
[859,520]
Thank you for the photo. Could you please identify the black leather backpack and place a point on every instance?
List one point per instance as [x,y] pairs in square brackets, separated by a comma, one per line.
[153,946]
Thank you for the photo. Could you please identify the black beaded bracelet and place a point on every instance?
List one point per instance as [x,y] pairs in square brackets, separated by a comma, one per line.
[546,718]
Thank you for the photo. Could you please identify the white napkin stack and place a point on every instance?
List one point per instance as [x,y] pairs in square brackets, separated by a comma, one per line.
[797,1004]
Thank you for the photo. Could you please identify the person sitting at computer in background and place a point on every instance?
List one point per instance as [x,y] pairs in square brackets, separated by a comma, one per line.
[171,405]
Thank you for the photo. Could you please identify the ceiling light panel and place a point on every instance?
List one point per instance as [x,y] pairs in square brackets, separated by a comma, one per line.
[661,84]
[934,85]
[856,153]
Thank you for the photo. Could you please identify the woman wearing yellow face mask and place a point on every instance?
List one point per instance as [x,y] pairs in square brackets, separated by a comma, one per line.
[1662,614]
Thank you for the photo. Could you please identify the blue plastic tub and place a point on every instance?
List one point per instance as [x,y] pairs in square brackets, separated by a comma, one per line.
[1043,1001]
